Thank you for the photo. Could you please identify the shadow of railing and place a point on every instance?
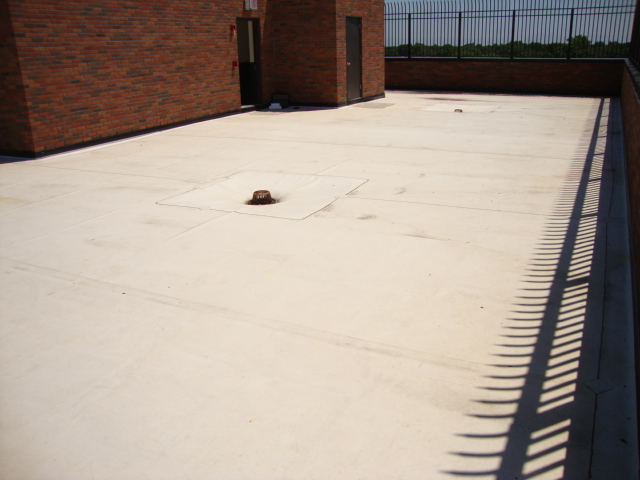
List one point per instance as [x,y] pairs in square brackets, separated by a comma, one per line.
[543,391]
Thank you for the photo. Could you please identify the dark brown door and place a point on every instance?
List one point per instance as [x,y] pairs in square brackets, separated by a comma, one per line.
[354,58]
[248,60]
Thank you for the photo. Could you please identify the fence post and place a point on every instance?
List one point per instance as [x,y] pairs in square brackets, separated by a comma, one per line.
[513,32]
[409,35]
[570,34]
[459,34]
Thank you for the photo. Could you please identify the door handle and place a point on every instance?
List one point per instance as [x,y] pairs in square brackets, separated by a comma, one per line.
[348,64]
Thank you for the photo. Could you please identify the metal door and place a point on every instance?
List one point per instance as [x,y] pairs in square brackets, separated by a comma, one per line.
[354,58]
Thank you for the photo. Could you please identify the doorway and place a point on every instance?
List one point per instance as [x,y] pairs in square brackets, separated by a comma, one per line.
[354,58]
[248,60]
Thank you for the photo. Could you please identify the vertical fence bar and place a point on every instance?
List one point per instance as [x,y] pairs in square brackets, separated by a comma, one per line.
[513,32]
[570,34]
[459,34]
[596,29]
[409,35]
[617,27]
[605,34]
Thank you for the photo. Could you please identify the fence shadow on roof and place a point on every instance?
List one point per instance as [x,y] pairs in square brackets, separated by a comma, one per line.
[542,391]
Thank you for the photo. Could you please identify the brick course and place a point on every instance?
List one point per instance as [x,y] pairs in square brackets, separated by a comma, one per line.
[575,77]
[303,35]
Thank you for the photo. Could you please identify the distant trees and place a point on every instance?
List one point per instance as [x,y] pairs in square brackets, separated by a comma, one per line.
[581,47]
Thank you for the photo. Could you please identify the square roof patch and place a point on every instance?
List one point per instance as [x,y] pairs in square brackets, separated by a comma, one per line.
[297,196]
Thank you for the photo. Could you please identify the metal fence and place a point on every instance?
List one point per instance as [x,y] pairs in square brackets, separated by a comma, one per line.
[554,30]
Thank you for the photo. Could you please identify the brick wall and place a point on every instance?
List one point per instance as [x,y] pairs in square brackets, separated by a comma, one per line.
[81,71]
[301,36]
[308,42]
[373,65]
[630,101]
[94,69]
[575,77]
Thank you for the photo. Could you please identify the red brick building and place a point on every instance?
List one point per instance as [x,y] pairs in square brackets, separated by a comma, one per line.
[78,72]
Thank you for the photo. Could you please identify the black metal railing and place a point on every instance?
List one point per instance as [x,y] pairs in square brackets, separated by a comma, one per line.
[499,29]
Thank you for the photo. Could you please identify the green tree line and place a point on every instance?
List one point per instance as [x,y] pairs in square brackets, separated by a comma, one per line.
[581,47]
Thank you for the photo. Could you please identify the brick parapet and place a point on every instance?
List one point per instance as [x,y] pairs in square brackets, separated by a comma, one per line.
[630,102]
[575,77]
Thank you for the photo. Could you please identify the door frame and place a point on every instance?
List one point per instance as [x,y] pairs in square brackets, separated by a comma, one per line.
[352,21]
[251,94]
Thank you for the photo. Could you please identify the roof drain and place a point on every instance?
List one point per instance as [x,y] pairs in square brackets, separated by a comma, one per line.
[261,197]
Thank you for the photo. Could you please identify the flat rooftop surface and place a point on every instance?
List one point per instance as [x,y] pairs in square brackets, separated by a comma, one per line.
[437,294]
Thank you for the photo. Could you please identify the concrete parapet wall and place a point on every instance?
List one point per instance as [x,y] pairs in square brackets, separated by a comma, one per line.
[558,77]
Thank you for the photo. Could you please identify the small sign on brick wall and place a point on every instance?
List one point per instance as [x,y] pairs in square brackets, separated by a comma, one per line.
[250,4]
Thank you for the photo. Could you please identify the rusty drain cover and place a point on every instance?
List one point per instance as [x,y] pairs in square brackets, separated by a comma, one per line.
[261,197]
